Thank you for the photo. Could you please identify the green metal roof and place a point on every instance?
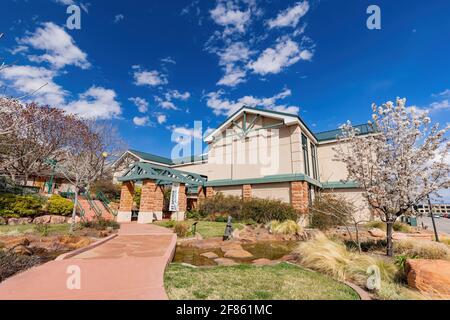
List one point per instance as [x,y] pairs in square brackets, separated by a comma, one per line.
[333,134]
[340,185]
[266,179]
[151,157]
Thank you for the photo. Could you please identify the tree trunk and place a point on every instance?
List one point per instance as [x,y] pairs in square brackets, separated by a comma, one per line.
[389,231]
[357,237]
[74,211]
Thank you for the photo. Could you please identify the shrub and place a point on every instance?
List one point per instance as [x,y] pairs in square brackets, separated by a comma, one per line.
[221,219]
[20,206]
[108,188]
[421,249]
[401,227]
[181,229]
[100,224]
[59,205]
[368,245]
[137,196]
[329,211]
[193,215]
[286,227]
[376,224]
[257,210]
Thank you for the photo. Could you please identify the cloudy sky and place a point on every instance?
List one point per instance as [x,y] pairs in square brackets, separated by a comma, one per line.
[155,67]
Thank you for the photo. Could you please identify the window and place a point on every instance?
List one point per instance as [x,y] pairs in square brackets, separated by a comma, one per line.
[314,161]
[305,153]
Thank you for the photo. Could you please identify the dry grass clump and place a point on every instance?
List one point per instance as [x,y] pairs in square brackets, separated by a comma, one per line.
[422,249]
[333,258]
[286,227]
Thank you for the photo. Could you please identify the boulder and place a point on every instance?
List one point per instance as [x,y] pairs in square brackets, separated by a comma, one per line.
[42,219]
[429,276]
[262,262]
[399,236]
[225,262]
[57,220]
[289,257]
[239,254]
[22,250]
[25,221]
[210,255]
[377,233]
[231,246]
[77,220]
[3,221]
[13,221]
[20,241]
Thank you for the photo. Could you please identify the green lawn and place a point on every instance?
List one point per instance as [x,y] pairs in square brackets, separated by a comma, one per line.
[207,229]
[280,282]
[52,229]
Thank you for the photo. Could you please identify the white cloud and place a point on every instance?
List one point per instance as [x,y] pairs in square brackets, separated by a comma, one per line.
[233,76]
[118,18]
[228,15]
[60,49]
[162,118]
[223,106]
[440,105]
[140,103]
[274,60]
[165,104]
[168,60]
[175,94]
[289,17]
[65,2]
[96,103]
[184,135]
[445,94]
[35,84]
[230,58]
[141,121]
[148,78]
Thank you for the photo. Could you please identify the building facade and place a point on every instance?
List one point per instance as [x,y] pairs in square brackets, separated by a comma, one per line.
[264,154]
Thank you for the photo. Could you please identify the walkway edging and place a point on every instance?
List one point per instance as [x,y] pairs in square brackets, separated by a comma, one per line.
[73,253]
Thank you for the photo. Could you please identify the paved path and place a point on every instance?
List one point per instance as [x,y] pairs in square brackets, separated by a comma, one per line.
[442,224]
[130,266]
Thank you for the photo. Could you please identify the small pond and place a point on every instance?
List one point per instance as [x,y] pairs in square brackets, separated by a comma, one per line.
[268,250]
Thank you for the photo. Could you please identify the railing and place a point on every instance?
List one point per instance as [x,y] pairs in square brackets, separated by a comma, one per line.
[106,202]
[92,204]
[71,196]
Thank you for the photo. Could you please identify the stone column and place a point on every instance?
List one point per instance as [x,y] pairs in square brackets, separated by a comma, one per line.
[152,199]
[299,196]
[126,202]
[246,192]
[209,192]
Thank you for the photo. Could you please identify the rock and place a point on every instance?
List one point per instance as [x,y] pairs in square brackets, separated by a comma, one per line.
[225,262]
[77,220]
[25,221]
[377,233]
[210,255]
[13,221]
[22,250]
[429,276]
[399,236]
[231,246]
[81,244]
[57,220]
[20,241]
[3,221]
[262,262]
[240,254]
[288,257]
[42,219]
[236,234]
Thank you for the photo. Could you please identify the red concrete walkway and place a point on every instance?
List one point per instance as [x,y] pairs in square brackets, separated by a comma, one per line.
[130,266]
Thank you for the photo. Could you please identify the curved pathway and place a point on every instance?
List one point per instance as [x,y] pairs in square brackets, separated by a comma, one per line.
[130,266]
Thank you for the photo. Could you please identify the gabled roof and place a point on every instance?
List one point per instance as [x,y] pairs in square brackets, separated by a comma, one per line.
[334,134]
[151,157]
[287,118]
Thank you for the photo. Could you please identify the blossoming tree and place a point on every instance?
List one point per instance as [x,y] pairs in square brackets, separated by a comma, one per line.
[403,161]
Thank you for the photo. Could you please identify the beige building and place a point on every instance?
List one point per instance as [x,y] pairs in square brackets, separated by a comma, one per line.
[264,154]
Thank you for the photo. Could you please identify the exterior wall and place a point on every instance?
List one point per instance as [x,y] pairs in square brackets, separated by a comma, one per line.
[356,197]
[329,169]
[229,190]
[126,202]
[246,191]
[276,191]
[300,196]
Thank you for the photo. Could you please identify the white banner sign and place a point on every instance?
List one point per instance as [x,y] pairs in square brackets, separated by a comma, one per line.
[173,206]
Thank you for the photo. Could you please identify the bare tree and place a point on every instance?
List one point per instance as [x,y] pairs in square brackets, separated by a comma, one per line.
[398,166]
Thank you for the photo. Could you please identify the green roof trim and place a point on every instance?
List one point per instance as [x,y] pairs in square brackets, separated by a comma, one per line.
[266,179]
[340,185]
[334,134]
[151,157]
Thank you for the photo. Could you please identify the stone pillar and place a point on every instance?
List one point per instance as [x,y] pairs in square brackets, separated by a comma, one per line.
[209,192]
[152,199]
[299,196]
[182,204]
[246,192]
[126,202]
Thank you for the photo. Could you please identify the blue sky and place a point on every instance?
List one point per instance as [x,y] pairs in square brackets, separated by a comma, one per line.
[155,67]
